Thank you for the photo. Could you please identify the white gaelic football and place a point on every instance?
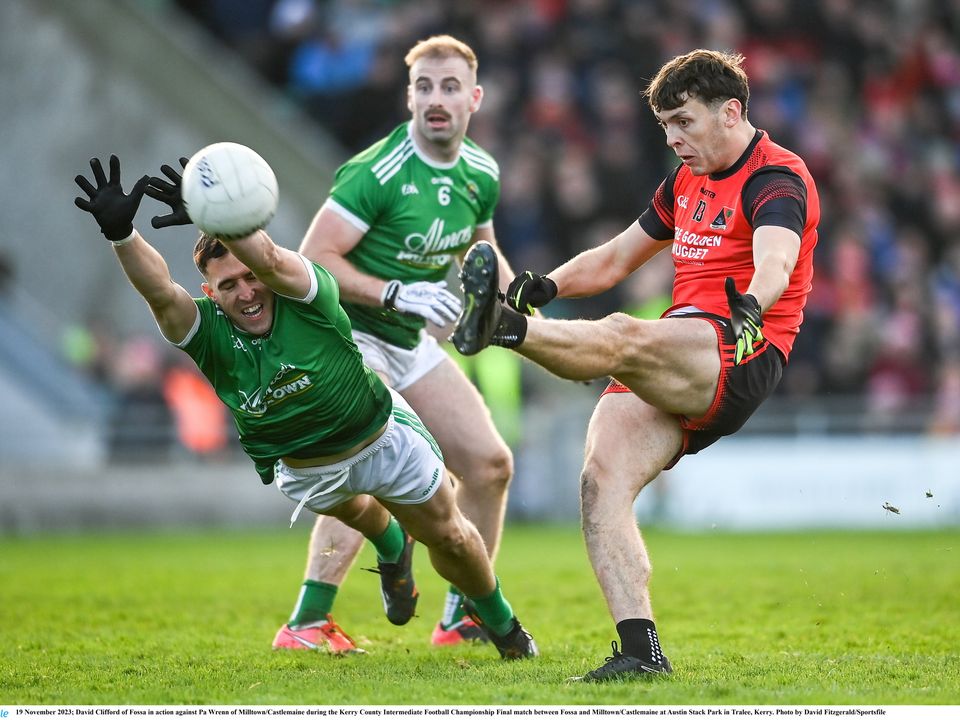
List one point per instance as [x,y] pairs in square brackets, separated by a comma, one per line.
[229,190]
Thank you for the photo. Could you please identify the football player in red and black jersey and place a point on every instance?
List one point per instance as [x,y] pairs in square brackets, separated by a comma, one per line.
[739,215]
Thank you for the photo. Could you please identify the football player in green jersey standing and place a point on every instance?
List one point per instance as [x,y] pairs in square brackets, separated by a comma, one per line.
[270,336]
[398,215]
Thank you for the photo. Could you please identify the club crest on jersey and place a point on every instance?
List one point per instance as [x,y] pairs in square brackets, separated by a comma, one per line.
[720,221]
[472,190]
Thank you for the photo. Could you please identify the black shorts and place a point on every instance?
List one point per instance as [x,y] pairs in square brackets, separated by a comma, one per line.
[740,390]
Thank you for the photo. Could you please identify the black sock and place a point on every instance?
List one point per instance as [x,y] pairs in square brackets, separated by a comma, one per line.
[511,330]
[638,638]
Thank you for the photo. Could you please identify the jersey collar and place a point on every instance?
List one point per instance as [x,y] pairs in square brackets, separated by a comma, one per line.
[741,161]
[426,158]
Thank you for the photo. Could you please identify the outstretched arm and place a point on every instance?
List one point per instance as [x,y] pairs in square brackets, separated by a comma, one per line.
[589,273]
[114,211]
[281,270]
[600,268]
[171,305]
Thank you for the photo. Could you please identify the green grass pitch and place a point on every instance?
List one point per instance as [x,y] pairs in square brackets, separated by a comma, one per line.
[187,618]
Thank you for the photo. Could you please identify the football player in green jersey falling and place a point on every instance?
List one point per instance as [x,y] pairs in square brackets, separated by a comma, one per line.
[399,214]
[270,336]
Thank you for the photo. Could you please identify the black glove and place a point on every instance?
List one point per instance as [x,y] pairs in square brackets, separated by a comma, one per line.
[169,193]
[111,208]
[745,319]
[528,291]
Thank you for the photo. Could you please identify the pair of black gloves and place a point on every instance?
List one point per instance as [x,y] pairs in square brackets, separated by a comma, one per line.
[114,210]
[529,291]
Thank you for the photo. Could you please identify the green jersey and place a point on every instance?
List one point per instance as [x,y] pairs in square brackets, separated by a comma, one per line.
[302,390]
[417,216]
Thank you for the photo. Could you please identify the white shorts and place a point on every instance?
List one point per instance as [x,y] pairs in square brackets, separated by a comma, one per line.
[402,368]
[402,466]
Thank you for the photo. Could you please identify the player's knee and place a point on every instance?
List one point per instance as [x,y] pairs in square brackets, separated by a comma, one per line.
[629,335]
[453,539]
[591,494]
[491,473]
[602,499]
[620,321]
[499,470]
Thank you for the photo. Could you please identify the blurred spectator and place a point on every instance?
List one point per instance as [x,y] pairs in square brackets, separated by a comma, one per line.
[89,348]
[946,410]
[141,426]
[896,376]
[200,417]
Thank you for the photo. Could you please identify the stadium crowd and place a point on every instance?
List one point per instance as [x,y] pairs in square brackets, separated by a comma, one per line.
[866,91]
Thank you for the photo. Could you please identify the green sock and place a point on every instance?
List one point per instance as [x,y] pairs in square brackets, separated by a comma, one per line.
[313,605]
[452,609]
[495,611]
[390,542]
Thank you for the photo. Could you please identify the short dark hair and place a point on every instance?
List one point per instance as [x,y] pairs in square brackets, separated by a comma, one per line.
[206,249]
[709,75]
